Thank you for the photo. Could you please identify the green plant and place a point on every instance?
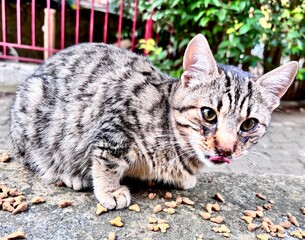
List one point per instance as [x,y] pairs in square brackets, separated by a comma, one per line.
[233,29]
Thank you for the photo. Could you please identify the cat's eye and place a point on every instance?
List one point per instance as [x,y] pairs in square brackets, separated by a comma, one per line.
[249,125]
[209,115]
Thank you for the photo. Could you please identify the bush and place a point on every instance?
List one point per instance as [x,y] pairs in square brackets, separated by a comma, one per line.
[234,30]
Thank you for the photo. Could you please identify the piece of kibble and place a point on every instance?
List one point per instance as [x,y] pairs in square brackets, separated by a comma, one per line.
[215,207]
[286,224]
[208,207]
[205,215]
[294,221]
[100,209]
[163,227]
[18,200]
[160,221]
[265,226]
[6,206]
[273,228]
[247,219]
[3,195]
[20,208]
[302,232]
[296,234]
[111,236]
[117,222]
[224,229]
[169,210]
[259,208]
[266,219]
[15,235]
[187,201]
[171,204]
[219,197]
[263,236]
[226,234]
[64,203]
[14,192]
[303,210]
[267,206]
[250,213]
[11,200]
[4,157]
[281,235]
[150,227]
[157,208]
[280,229]
[152,220]
[36,200]
[152,196]
[251,227]
[134,207]
[260,196]
[178,200]
[271,201]
[168,195]
[218,219]
[259,213]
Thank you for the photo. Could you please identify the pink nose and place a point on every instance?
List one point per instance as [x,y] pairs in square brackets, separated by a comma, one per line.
[225,144]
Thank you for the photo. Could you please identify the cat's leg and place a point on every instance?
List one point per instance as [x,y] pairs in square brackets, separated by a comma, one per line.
[184,180]
[107,172]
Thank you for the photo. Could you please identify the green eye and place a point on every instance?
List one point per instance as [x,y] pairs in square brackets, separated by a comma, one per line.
[209,115]
[249,125]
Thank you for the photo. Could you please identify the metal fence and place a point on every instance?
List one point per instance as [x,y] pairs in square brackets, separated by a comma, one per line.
[52,42]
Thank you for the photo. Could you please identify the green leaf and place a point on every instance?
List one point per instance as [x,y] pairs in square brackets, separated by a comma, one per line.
[203,22]
[216,3]
[245,28]
[183,43]
[206,3]
[230,30]
[199,16]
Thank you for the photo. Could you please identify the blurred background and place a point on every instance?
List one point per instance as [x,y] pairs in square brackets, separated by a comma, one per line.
[254,35]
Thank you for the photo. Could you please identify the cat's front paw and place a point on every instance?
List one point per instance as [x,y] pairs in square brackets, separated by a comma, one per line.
[189,182]
[114,200]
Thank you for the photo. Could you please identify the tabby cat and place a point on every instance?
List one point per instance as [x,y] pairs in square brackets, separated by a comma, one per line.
[94,113]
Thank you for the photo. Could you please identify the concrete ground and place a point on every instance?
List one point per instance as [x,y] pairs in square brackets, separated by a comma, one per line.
[275,167]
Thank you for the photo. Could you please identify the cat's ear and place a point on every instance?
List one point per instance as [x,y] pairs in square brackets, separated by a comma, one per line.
[277,81]
[198,58]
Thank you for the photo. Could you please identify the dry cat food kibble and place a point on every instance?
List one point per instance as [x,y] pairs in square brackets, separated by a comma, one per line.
[179,200]
[168,195]
[20,208]
[263,236]
[171,204]
[187,201]
[247,219]
[4,157]
[15,235]
[251,227]
[218,219]
[134,207]
[152,196]
[117,222]
[205,215]
[219,197]
[64,203]
[303,210]
[157,208]
[100,209]
[222,229]
[260,196]
[293,220]
[169,210]
[111,236]
[36,200]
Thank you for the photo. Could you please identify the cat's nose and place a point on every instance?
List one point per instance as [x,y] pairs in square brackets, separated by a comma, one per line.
[223,152]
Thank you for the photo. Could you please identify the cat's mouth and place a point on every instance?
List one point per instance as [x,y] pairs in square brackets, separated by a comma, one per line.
[219,160]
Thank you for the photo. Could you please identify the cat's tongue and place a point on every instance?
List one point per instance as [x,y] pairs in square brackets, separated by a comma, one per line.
[220,159]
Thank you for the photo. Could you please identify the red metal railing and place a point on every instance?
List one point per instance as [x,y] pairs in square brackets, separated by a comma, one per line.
[48,47]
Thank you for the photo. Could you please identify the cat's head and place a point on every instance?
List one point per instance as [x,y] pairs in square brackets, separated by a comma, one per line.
[219,112]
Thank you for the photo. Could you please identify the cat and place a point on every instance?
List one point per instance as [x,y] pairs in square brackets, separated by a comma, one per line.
[93,114]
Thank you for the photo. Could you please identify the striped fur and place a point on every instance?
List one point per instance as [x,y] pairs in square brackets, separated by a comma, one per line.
[93,114]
